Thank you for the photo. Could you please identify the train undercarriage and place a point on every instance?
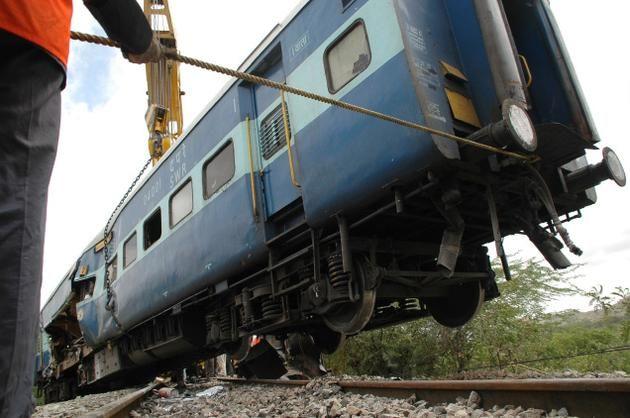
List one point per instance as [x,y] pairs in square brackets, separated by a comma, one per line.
[420,253]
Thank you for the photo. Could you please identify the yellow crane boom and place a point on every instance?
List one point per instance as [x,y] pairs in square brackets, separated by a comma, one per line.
[164,113]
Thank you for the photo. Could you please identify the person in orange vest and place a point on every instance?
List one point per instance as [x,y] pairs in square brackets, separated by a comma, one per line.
[34,46]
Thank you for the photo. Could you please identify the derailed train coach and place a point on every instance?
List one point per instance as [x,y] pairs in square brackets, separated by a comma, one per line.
[358,223]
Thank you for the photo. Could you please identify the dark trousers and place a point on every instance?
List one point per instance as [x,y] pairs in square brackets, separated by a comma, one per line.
[30,105]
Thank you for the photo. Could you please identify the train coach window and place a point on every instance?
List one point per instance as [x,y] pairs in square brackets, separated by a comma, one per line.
[347,57]
[218,170]
[181,203]
[86,288]
[130,252]
[153,229]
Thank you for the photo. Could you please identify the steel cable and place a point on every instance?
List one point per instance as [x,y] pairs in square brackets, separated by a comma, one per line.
[99,40]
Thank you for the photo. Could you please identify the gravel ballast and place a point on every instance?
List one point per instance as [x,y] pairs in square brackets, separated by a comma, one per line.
[80,405]
[320,398]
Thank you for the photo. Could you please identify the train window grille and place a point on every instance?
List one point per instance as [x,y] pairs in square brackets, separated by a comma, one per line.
[181,204]
[347,57]
[219,170]
[272,134]
[130,250]
[153,229]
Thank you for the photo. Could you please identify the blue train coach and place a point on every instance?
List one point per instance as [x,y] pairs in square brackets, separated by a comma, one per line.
[301,223]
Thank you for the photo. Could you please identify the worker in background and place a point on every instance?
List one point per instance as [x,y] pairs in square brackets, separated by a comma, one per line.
[34,46]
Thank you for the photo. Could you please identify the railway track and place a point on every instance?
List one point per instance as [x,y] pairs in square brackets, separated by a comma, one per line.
[124,405]
[585,398]
[606,398]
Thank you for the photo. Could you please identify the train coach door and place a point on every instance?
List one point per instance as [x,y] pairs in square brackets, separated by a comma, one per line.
[280,175]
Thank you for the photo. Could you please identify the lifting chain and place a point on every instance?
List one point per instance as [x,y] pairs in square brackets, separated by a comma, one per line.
[99,40]
[107,238]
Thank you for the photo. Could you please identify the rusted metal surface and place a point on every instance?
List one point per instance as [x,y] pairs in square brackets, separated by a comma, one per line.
[526,385]
[122,407]
[605,398]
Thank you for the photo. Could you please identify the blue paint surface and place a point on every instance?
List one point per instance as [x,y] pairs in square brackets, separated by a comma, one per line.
[347,159]
[531,30]
[475,64]
[428,41]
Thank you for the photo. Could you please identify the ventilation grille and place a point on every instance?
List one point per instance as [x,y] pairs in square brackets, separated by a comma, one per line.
[272,137]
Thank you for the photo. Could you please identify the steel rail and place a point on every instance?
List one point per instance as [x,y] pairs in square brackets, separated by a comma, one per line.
[124,405]
[606,398]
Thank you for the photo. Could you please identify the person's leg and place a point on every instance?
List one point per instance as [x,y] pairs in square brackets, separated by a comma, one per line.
[30,84]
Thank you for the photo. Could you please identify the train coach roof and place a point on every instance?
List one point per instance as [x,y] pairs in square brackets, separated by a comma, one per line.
[58,299]
[98,238]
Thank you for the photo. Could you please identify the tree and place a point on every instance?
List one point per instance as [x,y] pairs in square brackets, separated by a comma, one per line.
[598,300]
[623,293]
[507,329]
[511,327]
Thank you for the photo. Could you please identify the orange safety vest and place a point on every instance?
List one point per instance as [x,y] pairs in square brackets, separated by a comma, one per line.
[45,23]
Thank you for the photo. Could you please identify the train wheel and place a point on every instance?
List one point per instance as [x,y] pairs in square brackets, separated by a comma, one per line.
[351,317]
[459,307]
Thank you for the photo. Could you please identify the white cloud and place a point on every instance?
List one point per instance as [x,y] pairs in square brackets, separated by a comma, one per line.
[102,147]
[593,33]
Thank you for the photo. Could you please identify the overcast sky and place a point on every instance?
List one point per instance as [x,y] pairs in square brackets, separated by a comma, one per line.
[103,141]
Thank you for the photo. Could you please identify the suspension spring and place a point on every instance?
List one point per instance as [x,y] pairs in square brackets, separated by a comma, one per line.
[339,279]
[271,309]
[225,324]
